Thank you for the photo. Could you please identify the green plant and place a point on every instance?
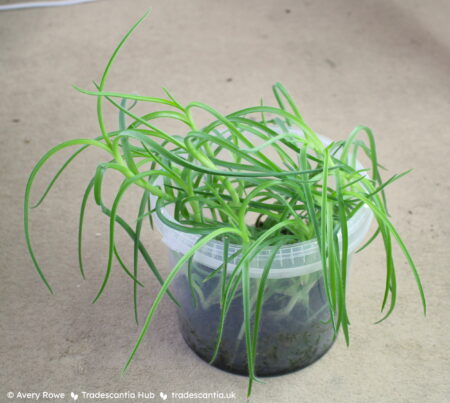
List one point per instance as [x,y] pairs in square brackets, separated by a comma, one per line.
[216,177]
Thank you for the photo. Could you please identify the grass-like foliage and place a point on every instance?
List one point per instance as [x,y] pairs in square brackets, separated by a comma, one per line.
[256,177]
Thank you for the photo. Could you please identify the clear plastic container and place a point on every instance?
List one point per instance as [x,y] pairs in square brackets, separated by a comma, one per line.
[294,329]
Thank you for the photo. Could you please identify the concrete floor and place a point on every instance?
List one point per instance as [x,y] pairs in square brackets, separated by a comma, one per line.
[385,64]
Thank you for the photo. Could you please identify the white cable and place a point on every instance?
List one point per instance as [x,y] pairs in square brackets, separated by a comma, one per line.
[18,6]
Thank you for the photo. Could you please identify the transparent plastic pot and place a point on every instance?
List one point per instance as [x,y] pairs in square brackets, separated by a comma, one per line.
[295,329]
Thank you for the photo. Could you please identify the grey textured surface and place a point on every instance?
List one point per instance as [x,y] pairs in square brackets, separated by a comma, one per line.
[385,64]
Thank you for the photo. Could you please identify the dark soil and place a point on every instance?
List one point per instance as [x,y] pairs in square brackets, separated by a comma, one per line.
[286,342]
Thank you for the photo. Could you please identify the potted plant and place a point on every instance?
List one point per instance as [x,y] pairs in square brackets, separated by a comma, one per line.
[261,216]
